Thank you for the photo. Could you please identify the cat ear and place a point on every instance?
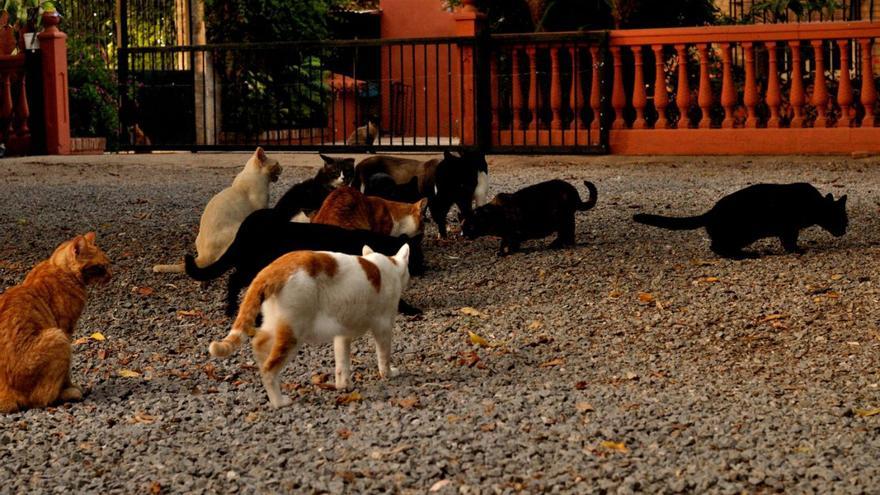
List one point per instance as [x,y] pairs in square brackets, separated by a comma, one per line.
[829,197]
[842,200]
[447,155]
[422,205]
[367,250]
[90,237]
[349,161]
[326,158]
[403,254]
[260,154]
[78,245]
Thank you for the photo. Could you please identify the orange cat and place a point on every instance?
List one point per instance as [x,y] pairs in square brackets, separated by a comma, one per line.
[348,208]
[36,322]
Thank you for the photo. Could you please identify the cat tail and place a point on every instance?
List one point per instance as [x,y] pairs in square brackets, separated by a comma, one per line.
[673,223]
[211,271]
[178,268]
[594,196]
[262,287]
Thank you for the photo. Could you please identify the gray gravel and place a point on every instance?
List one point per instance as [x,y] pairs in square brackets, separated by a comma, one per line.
[586,387]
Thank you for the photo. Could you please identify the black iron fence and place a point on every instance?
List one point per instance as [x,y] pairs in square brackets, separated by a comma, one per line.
[846,10]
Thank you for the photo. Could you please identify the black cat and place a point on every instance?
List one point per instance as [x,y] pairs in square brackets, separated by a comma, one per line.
[264,236]
[383,186]
[533,212]
[454,179]
[759,211]
[309,195]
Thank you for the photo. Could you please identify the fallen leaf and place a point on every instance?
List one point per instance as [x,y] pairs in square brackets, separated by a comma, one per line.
[646,297]
[631,375]
[836,276]
[319,378]
[477,340]
[326,386]
[344,433]
[349,398]
[408,402]
[97,336]
[190,313]
[708,280]
[615,293]
[436,487]
[211,371]
[583,407]
[145,291]
[467,310]
[143,418]
[615,446]
[535,325]
[252,416]
[775,316]
[346,476]
[580,385]
[865,413]
[129,373]
[468,359]
[155,488]
[80,341]
[488,427]
[552,362]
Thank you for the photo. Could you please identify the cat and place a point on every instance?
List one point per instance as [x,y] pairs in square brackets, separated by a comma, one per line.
[364,135]
[533,212]
[760,211]
[228,208]
[265,235]
[315,297]
[37,320]
[383,186]
[308,196]
[348,208]
[454,179]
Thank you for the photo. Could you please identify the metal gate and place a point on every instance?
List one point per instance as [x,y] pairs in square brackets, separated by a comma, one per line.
[423,94]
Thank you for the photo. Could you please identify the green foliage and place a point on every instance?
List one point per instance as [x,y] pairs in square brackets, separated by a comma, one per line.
[243,21]
[780,9]
[93,93]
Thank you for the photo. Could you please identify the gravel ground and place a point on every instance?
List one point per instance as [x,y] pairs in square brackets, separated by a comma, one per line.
[636,362]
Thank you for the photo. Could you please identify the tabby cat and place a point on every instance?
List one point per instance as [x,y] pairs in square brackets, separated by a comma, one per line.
[348,208]
[37,320]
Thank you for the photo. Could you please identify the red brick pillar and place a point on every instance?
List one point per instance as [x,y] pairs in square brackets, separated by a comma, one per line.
[468,22]
[53,45]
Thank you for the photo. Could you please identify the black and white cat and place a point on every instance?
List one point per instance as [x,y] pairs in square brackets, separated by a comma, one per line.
[760,211]
[307,197]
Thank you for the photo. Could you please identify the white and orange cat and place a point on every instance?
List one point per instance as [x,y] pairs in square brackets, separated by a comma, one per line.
[317,297]
[349,208]
[227,209]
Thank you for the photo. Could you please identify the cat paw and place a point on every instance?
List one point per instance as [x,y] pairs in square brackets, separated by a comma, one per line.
[283,401]
[72,393]
[342,385]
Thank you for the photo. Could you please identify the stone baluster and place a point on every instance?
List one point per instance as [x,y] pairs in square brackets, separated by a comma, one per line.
[595,88]
[576,95]
[774,96]
[750,92]
[820,89]
[869,90]
[618,96]
[533,88]
[796,96]
[639,98]
[683,92]
[728,90]
[705,98]
[555,90]
[844,87]
[661,97]
[23,111]
[516,102]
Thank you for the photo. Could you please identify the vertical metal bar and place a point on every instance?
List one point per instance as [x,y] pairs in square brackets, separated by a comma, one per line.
[392,96]
[403,118]
[460,95]
[425,87]
[412,52]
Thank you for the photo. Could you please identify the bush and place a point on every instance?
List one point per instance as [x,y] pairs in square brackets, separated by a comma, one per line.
[94,110]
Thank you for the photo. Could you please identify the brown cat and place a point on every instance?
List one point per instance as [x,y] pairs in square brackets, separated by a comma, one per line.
[36,323]
[348,208]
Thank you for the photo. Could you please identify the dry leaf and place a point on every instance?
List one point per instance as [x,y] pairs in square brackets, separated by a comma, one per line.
[143,418]
[344,433]
[467,310]
[580,385]
[630,375]
[319,378]
[252,416]
[775,316]
[708,280]
[129,374]
[836,276]
[583,407]
[468,359]
[155,488]
[436,487]
[190,313]
[864,413]
[145,291]
[553,362]
[408,402]
[211,371]
[349,398]
[535,325]
[646,297]
[97,336]
[488,427]
[615,293]
[615,446]
[477,340]
[80,341]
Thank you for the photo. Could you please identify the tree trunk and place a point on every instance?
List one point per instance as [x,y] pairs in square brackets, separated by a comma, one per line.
[536,9]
